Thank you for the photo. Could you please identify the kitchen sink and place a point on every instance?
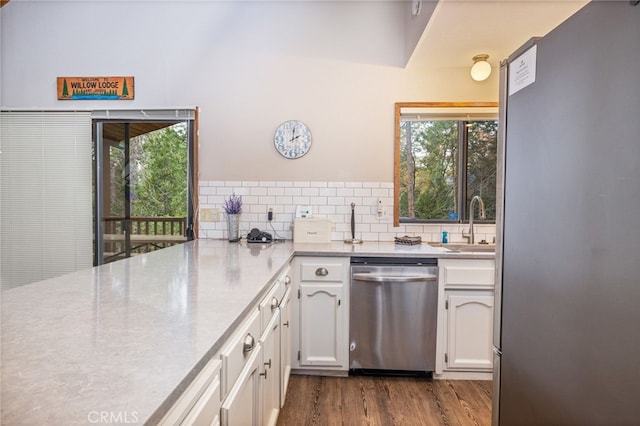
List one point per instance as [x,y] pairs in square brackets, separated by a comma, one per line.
[464,247]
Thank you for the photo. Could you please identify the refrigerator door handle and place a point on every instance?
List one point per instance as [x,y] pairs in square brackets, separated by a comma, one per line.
[497,351]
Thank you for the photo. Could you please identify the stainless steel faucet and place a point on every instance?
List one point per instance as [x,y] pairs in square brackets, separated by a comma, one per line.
[471,234]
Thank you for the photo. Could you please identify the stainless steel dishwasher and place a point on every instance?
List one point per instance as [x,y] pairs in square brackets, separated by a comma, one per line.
[393,315]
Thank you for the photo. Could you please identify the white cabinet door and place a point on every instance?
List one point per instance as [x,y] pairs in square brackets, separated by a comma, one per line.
[323,326]
[270,371]
[285,345]
[242,405]
[469,330]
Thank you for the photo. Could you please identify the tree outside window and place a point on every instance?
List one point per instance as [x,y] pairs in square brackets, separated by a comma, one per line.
[443,164]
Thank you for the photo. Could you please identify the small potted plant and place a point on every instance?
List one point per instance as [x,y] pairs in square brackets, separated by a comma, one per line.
[233,208]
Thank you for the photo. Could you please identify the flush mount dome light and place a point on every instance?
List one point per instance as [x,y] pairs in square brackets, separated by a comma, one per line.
[481,69]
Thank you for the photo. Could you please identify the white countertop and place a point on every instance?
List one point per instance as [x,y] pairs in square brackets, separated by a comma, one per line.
[126,338]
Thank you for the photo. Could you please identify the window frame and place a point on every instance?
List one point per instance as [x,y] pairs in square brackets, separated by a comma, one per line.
[397,157]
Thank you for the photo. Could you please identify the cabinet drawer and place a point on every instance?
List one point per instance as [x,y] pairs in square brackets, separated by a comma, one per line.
[269,305]
[207,408]
[325,271]
[236,352]
[468,274]
[200,403]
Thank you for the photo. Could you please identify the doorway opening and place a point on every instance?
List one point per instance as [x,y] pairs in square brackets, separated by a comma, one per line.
[144,181]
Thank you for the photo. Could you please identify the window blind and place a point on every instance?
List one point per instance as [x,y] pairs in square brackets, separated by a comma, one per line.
[45,195]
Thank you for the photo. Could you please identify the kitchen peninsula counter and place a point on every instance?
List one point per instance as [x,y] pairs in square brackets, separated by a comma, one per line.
[123,340]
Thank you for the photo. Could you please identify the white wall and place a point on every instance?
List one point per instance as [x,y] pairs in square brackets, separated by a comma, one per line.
[338,66]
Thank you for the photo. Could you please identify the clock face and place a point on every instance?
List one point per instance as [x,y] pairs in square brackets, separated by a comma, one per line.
[292,139]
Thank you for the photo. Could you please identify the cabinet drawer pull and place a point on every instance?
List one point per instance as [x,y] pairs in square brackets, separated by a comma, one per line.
[264,374]
[286,324]
[287,280]
[274,303]
[268,364]
[322,272]
[248,344]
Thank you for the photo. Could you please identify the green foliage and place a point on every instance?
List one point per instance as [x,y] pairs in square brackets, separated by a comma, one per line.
[481,164]
[429,157]
[161,187]
[433,147]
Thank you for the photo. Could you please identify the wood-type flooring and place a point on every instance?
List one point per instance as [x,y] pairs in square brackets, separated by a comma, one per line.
[385,401]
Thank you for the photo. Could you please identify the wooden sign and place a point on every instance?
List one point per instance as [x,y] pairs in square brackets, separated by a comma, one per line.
[73,88]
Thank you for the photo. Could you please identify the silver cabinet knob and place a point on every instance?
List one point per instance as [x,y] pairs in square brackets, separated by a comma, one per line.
[287,280]
[248,344]
[322,272]
[274,303]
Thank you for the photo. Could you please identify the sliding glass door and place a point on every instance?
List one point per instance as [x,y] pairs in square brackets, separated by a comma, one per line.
[144,175]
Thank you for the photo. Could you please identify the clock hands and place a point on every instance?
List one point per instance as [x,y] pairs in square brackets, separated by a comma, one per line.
[293,135]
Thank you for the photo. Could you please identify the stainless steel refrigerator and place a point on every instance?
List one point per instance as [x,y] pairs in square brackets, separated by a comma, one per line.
[567,325]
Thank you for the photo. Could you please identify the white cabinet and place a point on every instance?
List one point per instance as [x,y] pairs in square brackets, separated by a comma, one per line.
[465,322]
[321,326]
[469,330]
[285,344]
[246,382]
[270,373]
[200,403]
[242,405]
[323,312]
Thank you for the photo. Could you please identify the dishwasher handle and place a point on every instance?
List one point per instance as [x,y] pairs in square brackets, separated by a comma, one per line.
[381,278]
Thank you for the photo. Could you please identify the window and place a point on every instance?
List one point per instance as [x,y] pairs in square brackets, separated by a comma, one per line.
[45,195]
[445,155]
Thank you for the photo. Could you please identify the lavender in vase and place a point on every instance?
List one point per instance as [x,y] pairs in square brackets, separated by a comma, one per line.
[233,207]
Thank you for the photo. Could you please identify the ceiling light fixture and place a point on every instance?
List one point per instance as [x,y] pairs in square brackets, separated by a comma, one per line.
[481,69]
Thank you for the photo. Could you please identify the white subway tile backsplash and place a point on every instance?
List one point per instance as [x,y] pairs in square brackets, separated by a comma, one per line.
[303,201]
[382,192]
[327,192]
[326,209]
[345,192]
[335,201]
[267,200]
[331,200]
[362,192]
[248,200]
[284,200]
[275,191]
[318,201]
[207,190]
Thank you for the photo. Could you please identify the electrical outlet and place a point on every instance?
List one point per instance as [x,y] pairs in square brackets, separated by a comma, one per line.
[209,215]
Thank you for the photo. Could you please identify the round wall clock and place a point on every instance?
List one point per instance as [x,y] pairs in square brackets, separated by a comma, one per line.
[292,139]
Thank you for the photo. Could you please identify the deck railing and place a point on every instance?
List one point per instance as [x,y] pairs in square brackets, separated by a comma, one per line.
[147,225]
[142,235]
